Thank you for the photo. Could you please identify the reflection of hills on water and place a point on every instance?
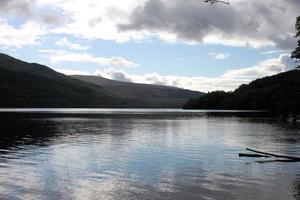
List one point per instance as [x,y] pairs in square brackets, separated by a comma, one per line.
[18,131]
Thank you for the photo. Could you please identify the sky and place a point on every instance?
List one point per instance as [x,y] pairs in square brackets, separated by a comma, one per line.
[181,43]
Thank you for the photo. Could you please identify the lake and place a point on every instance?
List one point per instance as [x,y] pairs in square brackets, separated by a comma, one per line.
[144,154]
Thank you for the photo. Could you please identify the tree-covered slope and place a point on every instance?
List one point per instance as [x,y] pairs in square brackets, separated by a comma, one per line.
[144,95]
[25,84]
[32,85]
[278,93]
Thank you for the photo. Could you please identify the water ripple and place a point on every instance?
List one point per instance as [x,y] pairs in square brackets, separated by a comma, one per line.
[145,158]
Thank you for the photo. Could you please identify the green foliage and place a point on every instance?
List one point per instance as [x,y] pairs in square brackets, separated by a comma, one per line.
[296,53]
[279,93]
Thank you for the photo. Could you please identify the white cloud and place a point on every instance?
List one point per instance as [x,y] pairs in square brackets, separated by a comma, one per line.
[72,72]
[58,56]
[64,42]
[220,56]
[46,50]
[203,84]
[237,41]
[27,34]
[229,81]
[244,23]
[264,68]
[100,19]
[271,52]
[115,74]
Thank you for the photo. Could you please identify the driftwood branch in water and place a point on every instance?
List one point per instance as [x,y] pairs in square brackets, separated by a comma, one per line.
[293,158]
[253,155]
[276,160]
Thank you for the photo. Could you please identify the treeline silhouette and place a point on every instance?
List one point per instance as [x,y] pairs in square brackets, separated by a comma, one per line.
[279,94]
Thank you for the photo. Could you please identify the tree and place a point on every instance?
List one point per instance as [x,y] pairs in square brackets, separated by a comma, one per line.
[216,1]
[296,52]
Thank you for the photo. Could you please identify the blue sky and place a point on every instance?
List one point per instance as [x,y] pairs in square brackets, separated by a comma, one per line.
[188,44]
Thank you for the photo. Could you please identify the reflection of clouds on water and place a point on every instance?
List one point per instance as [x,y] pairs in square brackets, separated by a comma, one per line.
[144,158]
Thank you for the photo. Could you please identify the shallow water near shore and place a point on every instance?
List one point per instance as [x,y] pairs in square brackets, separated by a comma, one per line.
[144,154]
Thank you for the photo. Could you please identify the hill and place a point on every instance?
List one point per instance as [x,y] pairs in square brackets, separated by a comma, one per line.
[279,93]
[143,95]
[32,85]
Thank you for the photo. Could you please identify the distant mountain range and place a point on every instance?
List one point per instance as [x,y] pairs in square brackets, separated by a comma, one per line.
[279,93]
[32,85]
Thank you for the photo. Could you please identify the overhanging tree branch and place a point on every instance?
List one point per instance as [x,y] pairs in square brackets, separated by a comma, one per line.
[296,53]
[216,1]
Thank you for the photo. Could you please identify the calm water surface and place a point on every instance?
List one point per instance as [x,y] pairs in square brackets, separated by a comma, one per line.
[143,154]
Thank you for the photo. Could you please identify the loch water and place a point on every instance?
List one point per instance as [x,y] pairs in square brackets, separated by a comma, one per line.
[144,154]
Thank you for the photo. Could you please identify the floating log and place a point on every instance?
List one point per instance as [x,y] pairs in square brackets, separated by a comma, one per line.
[275,155]
[276,160]
[253,155]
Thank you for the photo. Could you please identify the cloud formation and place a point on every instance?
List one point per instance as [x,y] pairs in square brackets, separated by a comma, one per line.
[252,23]
[17,7]
[57,56]
[27,34]
[32,10]
[228,81]
[220,56]
[64,42]
[264,68]
[25,22]
[114,74]
[100,19]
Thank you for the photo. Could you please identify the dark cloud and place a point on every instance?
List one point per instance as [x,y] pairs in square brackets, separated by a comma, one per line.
[52,17]
[17,7]
[29,10]
[254,21]
[93,22]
